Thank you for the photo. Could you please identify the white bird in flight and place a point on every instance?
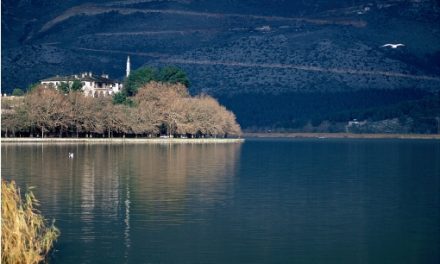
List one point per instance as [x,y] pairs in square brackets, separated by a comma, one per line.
[393,46]
[70,155]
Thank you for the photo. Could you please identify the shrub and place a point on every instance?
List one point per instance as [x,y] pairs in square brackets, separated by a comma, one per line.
[26,237]
[17,92]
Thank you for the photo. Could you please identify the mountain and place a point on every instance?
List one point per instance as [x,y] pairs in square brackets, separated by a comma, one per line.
[281,60]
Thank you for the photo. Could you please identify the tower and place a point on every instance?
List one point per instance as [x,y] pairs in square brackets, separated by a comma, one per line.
[128,66]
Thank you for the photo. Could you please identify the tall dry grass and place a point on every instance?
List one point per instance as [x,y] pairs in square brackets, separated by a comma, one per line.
[26,236]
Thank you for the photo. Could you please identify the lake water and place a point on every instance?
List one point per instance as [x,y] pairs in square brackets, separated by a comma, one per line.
[263,201]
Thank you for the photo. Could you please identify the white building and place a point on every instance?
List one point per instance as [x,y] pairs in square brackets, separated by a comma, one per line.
[353,124]
[92,85]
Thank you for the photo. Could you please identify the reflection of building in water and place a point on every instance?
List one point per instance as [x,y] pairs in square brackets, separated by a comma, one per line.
[88,201]
[127,218]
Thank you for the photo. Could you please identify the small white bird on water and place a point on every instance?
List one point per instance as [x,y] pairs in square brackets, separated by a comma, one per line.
[70,155]
[393,46]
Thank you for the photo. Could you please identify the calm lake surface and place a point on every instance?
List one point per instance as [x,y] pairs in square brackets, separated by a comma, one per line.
[263,201]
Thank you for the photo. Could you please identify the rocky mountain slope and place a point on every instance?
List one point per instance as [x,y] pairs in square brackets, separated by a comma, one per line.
[230,49]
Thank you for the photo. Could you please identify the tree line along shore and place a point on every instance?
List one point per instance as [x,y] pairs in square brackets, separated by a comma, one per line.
[150,109]
[119,140]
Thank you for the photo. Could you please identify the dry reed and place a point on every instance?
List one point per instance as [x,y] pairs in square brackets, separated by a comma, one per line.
[26,236]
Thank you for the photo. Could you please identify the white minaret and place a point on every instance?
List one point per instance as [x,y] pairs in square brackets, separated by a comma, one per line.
[128,66]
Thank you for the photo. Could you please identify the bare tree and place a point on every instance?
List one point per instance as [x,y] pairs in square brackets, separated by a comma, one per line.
[79,112]
[158,107]
[145,119]
[46,109]
[163,99]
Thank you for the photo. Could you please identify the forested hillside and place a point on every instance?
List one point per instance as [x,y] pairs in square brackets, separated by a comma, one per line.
[275,63]
[330,112]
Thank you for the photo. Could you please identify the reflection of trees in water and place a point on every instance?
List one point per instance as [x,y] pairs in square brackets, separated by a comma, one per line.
[162,180]
[85,186]
[167,179]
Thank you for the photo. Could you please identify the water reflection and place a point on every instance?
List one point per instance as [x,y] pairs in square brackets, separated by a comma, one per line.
[289,201]
[110,186]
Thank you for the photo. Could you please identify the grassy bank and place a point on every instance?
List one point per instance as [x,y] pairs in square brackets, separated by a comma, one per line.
[124,140]
[26,236]
[341,135]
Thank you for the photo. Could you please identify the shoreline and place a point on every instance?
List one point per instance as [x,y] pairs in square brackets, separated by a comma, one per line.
[341,136]
[122,140]
[25,140]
